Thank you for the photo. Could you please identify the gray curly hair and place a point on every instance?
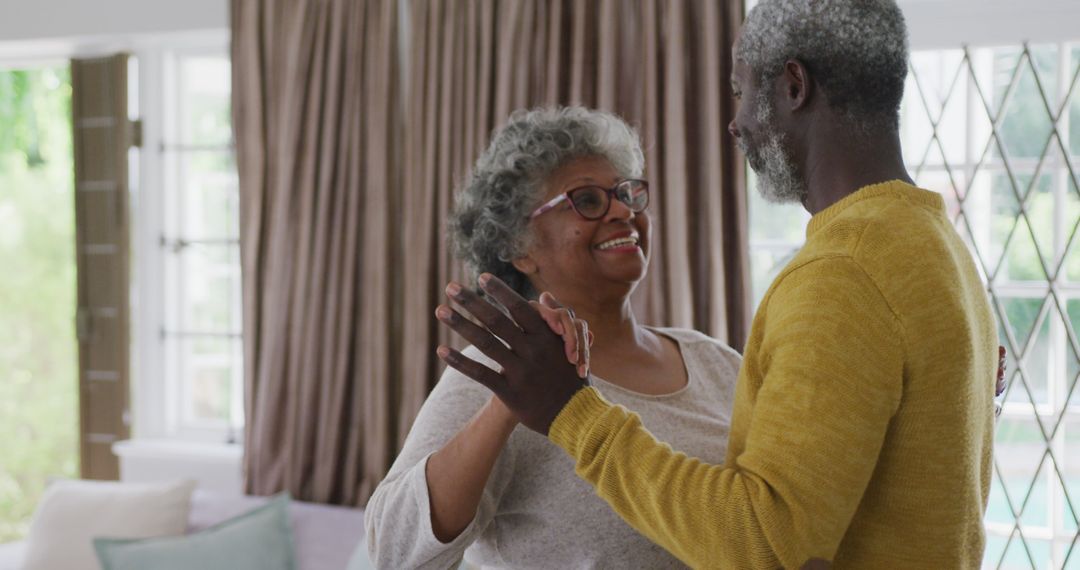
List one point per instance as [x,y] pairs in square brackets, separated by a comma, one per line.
[857,50]
[489,226]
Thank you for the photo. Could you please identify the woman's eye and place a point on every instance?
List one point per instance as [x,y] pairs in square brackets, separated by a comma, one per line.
[587,200]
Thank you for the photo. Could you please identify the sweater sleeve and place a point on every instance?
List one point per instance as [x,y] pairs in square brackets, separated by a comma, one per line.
[831,363]
[398,515]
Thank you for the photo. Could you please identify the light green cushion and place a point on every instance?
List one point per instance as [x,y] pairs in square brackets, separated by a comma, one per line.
[257,540]
[360,560]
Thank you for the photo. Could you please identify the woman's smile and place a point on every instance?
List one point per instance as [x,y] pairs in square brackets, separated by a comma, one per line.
[623,242]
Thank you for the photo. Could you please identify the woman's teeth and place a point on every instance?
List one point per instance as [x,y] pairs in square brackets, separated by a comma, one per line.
[617,242]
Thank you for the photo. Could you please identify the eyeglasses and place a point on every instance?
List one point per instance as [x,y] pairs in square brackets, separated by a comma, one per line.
[593,202]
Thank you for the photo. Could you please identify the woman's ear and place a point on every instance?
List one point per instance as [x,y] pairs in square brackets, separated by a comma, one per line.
[525,265]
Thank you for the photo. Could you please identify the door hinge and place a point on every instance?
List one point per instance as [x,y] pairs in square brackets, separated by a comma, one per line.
[82,324]
[135,133]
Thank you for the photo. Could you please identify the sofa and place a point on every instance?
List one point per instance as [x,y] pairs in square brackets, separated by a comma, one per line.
[324,537]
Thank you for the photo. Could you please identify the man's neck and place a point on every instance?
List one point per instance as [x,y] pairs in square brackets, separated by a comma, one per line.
[845,164]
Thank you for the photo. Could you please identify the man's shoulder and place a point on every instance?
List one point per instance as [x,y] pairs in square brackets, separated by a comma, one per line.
[889,238]
[882,223]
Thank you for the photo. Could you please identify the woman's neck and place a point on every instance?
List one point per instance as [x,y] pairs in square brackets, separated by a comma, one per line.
[612,323]
[623,352]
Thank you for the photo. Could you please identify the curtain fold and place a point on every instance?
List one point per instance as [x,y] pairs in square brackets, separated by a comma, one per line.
[316,120]
[664,66]
[348,172]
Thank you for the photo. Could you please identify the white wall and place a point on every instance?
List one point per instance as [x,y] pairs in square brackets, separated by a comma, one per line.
[951,23]
[932,23]
[51,19]
[61,28]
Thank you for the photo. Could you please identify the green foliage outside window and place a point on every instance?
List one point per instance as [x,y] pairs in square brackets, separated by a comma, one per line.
[38,349]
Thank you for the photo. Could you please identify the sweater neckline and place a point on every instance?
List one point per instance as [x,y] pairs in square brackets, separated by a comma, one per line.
[690,380]
[896,188]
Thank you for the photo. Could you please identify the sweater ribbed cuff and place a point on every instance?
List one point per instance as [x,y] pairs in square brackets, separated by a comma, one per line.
[573,422]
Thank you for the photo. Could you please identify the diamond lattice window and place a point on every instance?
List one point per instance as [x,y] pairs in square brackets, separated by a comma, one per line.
[997,132]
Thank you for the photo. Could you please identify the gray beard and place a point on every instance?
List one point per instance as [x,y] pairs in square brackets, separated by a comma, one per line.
[777,177]
[778,180]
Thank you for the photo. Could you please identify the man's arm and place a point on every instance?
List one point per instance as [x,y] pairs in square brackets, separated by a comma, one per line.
[832,359]
[832,367]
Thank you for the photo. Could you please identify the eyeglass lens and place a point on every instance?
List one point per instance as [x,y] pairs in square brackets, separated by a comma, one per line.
[592,201]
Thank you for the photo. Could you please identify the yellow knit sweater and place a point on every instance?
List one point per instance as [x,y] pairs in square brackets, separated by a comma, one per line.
[863,418]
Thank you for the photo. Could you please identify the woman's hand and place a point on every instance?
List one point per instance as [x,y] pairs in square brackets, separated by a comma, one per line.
[999,388]
[577,338]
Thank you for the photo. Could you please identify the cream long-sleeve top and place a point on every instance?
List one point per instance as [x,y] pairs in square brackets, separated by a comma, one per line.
[535,512]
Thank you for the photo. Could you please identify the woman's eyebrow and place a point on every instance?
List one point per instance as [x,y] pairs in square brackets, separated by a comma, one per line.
[589,180]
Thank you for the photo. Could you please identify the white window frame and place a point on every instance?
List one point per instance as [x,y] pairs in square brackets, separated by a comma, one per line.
[153,408]
[157,393]
[1055,530]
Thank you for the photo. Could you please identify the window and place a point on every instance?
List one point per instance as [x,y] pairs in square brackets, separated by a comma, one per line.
[190,353]
[997,132]
[981,127]
[39,358]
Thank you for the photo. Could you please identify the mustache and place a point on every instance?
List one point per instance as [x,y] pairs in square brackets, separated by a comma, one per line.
[751,153]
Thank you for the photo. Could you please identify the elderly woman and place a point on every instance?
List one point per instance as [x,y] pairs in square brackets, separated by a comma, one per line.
[555,204]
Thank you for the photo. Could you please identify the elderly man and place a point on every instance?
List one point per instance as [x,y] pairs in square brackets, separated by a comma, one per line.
[863,418]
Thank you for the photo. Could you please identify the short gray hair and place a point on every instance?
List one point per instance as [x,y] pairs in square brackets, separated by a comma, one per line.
[489,226]
[857,50]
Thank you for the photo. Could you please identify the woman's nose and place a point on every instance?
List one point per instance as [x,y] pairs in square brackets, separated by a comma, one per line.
[619,211]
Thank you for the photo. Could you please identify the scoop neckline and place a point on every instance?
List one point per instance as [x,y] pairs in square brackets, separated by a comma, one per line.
[682,354]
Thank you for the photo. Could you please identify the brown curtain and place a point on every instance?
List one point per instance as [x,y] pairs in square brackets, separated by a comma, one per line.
[663,65]
[316,119]
[343,221]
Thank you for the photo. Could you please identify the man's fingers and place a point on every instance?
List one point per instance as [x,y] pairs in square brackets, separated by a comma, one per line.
[485,312]
[525,316]
[482,339]
[473,369]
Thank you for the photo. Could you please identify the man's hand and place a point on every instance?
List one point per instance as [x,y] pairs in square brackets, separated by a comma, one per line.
[536,380]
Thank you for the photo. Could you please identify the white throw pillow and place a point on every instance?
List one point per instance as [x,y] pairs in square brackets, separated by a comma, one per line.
[73,513]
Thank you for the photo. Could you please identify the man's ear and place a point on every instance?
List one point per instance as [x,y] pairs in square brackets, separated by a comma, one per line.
[525,265]
[797,84]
